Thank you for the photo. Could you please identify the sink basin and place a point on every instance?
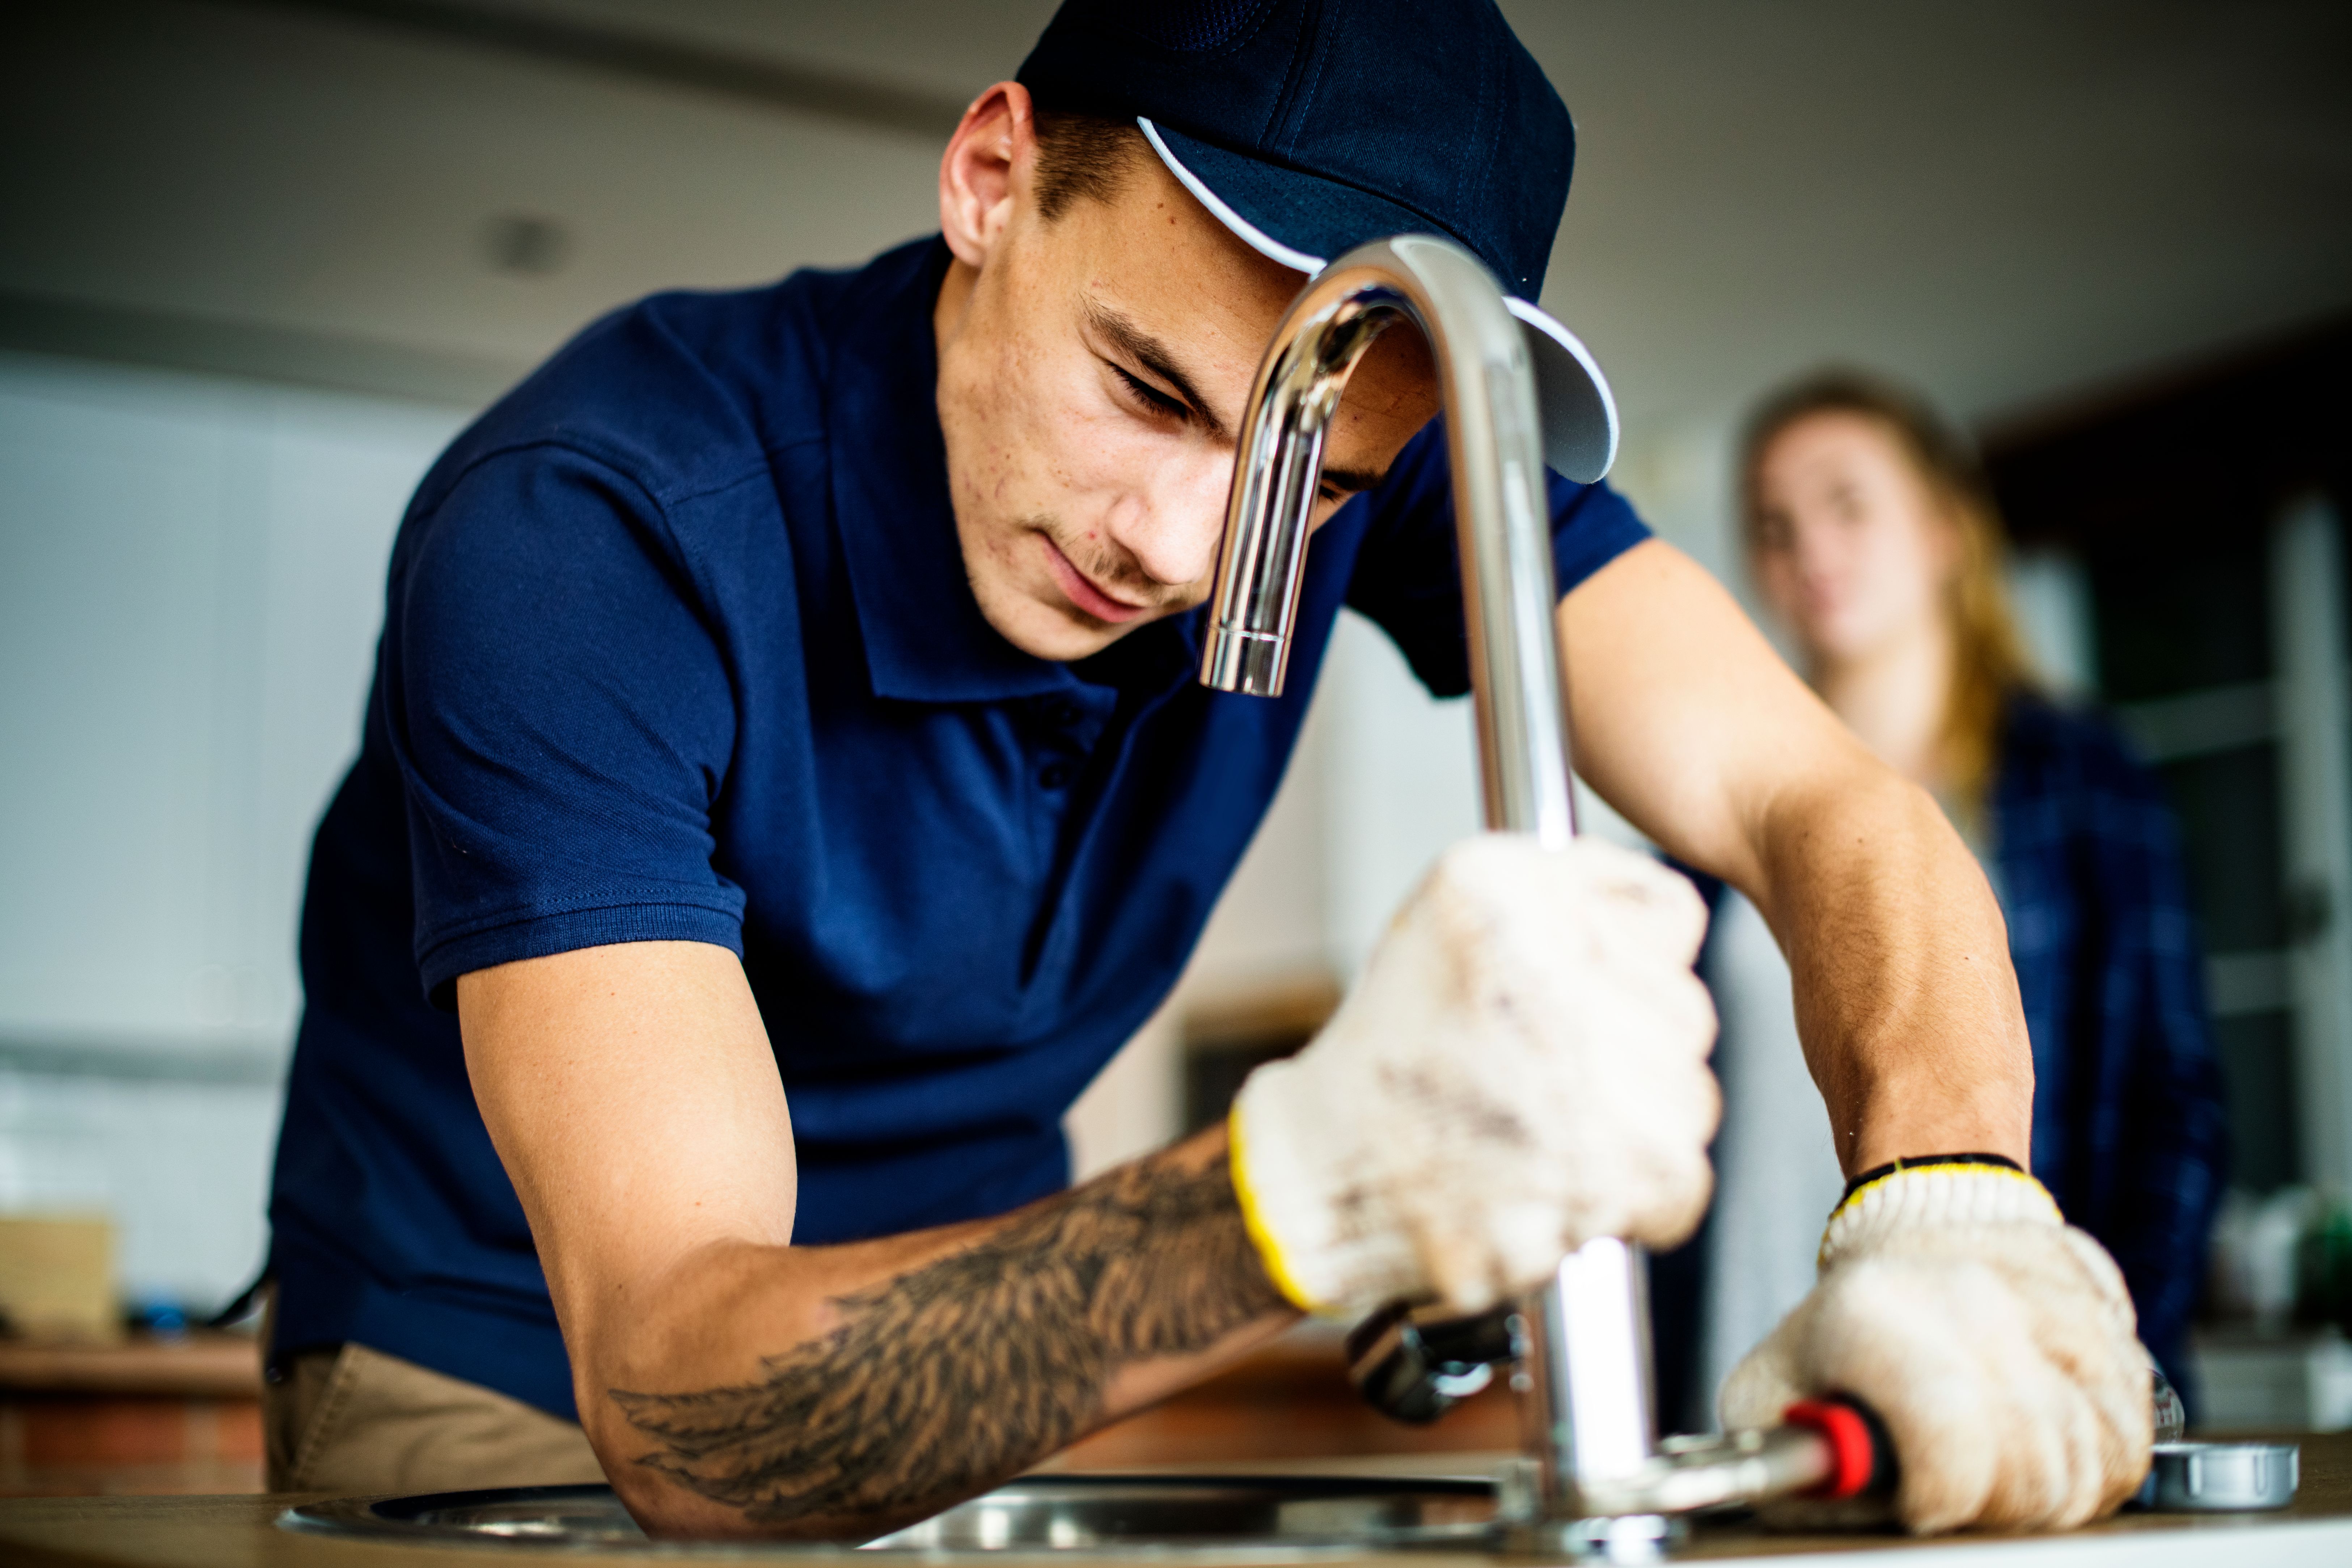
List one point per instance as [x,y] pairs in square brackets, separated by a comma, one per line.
[1219,1516]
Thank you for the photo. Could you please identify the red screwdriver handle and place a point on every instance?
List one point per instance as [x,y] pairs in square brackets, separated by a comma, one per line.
[1861,1459]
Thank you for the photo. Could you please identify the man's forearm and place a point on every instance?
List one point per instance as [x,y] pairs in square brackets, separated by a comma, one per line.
[1687,723]
[1906,999]
[938,1380]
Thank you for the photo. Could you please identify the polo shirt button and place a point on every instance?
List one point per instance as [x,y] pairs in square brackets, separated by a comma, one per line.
[1062,713]
[1054,775]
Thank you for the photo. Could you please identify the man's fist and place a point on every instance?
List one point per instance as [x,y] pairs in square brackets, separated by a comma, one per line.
[1521,1068]
[1995,1340]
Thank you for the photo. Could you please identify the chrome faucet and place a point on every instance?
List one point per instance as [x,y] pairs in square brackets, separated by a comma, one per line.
[1585,1367]
[1595,1481]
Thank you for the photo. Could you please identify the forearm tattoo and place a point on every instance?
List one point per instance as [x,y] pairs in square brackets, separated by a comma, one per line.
[952,1376]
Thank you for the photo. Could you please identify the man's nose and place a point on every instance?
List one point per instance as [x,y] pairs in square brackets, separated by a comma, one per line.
[1172,526]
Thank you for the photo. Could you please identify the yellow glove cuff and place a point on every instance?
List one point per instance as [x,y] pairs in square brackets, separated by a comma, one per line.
[1933,1193]
[1253,1219]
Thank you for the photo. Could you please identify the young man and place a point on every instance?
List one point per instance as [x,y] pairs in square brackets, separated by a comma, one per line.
[786,785]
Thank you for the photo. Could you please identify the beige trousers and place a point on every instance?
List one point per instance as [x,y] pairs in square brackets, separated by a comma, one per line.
[358,1422]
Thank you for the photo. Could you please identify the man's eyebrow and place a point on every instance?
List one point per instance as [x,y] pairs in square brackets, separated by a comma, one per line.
[1155,357]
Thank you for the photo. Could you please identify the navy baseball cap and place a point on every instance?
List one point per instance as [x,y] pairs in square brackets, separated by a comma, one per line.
[1309,127]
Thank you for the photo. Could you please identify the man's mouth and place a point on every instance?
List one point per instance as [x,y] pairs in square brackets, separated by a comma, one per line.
[1080,590]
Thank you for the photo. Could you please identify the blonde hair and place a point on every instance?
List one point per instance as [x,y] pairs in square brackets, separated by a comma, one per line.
[1989,663]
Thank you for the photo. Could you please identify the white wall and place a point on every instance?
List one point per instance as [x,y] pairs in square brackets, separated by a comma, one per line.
[191,582]
[1402,785]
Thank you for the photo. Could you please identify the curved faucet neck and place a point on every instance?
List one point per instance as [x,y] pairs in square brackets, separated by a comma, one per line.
[1494,443]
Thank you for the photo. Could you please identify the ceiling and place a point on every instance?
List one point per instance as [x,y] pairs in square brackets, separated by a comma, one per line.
[2008,198]
[2009,201]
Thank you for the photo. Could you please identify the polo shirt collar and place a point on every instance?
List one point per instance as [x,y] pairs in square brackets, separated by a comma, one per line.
[925,639]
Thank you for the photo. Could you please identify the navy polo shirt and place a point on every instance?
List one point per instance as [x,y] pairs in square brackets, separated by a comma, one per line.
[678,646]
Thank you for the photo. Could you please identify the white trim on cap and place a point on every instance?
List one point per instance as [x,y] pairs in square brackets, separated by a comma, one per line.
[1579,413]
[1552,327]
[1257,239]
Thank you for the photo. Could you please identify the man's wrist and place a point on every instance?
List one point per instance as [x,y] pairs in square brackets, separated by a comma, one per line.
[1906,1109]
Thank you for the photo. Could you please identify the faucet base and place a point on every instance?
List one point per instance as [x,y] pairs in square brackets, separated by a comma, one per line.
[1521,1529]
[1608,1538]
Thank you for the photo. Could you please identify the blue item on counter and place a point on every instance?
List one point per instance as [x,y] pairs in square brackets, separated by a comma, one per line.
[165,1316]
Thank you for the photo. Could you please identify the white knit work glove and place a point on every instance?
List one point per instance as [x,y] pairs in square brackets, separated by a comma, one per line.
[1996,1341]
[1521,1068]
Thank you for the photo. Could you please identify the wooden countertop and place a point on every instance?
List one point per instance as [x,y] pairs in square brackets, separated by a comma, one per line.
[201,1364]
[241,1532]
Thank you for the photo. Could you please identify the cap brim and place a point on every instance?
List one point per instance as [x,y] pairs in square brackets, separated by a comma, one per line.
[1579,414]
[1301,220]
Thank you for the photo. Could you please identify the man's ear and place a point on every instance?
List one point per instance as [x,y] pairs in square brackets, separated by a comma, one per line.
[976,174]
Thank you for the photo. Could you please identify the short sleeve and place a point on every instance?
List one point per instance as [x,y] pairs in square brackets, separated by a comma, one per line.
[1408,575]
[562,717]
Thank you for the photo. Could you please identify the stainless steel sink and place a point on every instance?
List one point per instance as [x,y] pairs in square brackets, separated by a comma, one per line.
[1256,1517]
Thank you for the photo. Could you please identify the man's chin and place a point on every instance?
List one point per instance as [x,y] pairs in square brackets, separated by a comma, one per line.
[1052,630]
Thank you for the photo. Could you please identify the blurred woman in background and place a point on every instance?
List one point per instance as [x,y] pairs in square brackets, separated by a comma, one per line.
[1872,534]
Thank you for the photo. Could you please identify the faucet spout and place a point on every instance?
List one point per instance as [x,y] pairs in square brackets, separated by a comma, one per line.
[1588,1410]
[1494,438]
